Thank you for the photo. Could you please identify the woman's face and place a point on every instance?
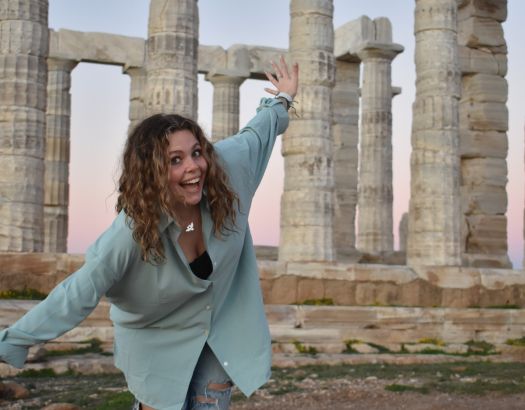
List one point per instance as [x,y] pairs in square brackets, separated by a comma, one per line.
[187,167]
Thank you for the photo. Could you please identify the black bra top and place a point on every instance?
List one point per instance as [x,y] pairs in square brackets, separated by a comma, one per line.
[202,266]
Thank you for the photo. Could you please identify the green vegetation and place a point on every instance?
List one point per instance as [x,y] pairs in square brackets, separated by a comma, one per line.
[431,341]
[31,294]
[403,388]
[481,348]
[516,342]
[349,349]
[108,391]
[509,306]
[117,401]
[301,348]
[318,302]
[32,373]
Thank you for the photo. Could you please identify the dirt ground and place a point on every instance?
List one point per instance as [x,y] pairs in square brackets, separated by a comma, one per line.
[371,395]
[437,386]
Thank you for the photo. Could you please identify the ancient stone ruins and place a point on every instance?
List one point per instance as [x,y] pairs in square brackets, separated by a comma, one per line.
[453,240]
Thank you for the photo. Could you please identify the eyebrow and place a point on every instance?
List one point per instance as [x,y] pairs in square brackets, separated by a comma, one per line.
[197,144]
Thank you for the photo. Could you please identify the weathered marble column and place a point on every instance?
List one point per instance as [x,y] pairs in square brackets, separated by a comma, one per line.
[375,198]
[307,201]
[56,175]
[24,43]
[403,232]
[483,132]
[434,226]
[137,109]
[225,104]
[345,131]
[171,59]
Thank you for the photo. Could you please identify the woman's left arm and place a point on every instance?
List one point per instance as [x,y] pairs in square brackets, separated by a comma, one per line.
[254,143]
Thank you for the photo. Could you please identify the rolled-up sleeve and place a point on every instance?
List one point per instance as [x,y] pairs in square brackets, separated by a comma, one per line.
[253,145]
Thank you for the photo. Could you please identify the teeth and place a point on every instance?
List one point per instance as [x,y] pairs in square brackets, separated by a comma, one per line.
[191,181]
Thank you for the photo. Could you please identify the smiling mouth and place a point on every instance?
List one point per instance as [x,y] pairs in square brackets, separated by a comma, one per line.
[191,182]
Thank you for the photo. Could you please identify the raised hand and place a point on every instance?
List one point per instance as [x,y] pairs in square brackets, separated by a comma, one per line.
[285,81]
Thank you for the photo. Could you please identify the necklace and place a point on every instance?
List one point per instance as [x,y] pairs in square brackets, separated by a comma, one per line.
[190,228]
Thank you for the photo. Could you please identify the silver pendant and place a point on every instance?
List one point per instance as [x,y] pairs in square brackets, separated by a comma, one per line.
[189,228]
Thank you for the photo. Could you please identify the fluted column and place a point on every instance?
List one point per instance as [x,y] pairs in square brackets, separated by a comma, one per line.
[375,198]
[307,201]
[137,109]
[171,60]
[225,104]
[345,130]
[24,43]
[56,176]
[434,212]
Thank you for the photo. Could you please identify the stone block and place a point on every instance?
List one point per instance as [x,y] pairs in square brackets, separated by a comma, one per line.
[480,260]
[420,293]
[484,200]
[488,234]
[461,298]
[484,171]
[474,60]
[483,144]
[490,9]
[340,291]
[484,88]
[283,291]
[484,116]
[477,32]
[364,348]
[499,297]
[383,30]
[310,289]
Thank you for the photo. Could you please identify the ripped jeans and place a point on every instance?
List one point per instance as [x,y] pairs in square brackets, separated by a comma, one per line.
[210,386]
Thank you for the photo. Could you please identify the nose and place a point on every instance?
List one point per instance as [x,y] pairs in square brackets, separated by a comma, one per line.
[191,164]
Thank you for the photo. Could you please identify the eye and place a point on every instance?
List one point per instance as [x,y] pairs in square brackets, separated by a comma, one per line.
[175,160]
[197,152]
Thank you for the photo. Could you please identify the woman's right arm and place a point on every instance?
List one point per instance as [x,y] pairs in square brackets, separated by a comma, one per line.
[72,300]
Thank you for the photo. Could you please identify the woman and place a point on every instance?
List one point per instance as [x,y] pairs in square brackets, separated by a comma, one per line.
[177,264]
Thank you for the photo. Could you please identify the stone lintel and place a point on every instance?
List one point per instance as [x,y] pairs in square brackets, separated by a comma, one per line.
[93,47]
[112,49]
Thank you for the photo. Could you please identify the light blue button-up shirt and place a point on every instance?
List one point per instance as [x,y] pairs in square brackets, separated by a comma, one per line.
[163,315]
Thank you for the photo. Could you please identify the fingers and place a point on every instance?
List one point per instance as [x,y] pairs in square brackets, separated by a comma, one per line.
[284,67]
[285,79]
[269,90]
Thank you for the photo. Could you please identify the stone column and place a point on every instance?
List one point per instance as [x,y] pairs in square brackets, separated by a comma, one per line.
[307,201]
[483,132]
[137,109]
[225,104]
[56,175]
[24,44]
[434,212]
[403,232]
[345,130]
[375,198]
[171,59]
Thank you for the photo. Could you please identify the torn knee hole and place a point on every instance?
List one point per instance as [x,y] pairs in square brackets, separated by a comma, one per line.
[219,386]
[204,399]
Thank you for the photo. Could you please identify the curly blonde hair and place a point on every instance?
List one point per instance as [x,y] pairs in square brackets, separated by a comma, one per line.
[144,193]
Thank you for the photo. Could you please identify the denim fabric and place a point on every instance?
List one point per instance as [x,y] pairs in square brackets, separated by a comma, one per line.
[208,371]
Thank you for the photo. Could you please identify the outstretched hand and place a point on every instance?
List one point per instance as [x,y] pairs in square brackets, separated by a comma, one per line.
[286,81]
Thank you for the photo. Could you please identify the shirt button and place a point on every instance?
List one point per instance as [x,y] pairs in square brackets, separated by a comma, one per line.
[225,363]
[208,307]
[205,332]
